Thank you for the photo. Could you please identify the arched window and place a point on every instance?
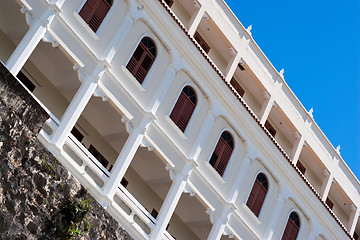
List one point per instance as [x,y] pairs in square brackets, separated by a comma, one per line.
[257,194]
[292,227]
[142,59]
[94,11]
[184,108]
[222,153]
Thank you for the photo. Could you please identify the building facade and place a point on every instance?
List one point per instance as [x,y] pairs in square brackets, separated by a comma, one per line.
[172,117]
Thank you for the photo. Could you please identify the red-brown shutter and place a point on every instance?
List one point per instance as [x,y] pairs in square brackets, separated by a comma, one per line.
[201,42]
[256,197]
[169,2]
[291,231]
[222,152]
[140,63]
[94,12]
[237,87]
[182,111]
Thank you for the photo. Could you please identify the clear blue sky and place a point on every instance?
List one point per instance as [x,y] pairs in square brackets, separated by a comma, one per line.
[318,45]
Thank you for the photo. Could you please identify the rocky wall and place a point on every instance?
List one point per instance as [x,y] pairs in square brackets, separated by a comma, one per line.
[39,199]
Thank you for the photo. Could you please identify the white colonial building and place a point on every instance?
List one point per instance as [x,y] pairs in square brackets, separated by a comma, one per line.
[169,113]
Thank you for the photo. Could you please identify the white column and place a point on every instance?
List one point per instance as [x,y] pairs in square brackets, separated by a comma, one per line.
[161,91]
[219,223]
[232,64]
[240,177]
[28,43]
[325,188]
[202,136]
[354,217]
[77,105]
[172,198]
[277,209]
[125,157]
[119,37]
[296,150]
[266,108]
[195,19]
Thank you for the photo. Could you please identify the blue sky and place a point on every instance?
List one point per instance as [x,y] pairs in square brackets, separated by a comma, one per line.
[318,45]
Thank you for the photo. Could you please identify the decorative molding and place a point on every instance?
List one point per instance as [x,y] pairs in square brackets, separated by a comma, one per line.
[48,38]
[338,150]
[228,232]
[145,143]
[189,190]
[281,73]
[99,93]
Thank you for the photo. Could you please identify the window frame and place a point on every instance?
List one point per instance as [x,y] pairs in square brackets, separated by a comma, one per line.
[219,157]
[290,223]
[179,118]
[254,199]
[140,46]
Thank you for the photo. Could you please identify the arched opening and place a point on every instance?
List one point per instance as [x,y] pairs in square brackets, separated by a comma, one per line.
[292,227]
[184,108]
[94,11]
[258,194]
[222,153]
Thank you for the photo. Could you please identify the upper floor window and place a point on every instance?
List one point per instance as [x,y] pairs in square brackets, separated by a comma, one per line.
[94,11]
[202,42]
[222,153]
[237,87]
[292,227]
[169,2]
[270,128]
[257,194]
[184,108]
[142,59]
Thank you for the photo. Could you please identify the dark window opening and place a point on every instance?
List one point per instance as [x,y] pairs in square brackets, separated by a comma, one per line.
[301,167]
[169,3]
[270,128]
[142,59]
[202,42]
[26,81]
[124,182]
[184,108]
[237,87]
[77,134]
[222,153]
[98,156]
[154,213]
[258,194]
[292,227]
[356,236]
[241,66]
[94,11]
[329,203]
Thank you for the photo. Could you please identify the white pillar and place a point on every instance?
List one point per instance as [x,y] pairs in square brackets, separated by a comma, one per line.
[219,223]
[119,37]
[240,177]
[232,65]
[125,157]
[277,209]
[354,217]
[195,19]
[77,105]
[266,108]
[161,91]
[296,150]
[28,43]
[172,198]
[202,136]
[325,188]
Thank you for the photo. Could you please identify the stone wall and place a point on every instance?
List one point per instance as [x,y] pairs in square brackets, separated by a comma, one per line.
[39,199]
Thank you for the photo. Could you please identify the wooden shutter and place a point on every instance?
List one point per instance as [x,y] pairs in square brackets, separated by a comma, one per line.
[26,81]
[291,231]
[182,111]
[270,128]
[329,203]
[256,197]
[221,156]
[140,62]
[202,42]
[169,2]
[237,87]
[301,167]
[94,12]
